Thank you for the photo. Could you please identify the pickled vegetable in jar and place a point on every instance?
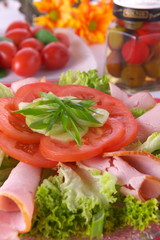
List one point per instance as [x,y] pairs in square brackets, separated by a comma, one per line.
[133,45]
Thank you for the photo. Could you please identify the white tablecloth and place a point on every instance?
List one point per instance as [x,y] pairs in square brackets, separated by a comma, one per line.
[11,13]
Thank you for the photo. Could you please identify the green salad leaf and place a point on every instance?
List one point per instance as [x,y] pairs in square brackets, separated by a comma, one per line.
[137,112]
[90,79]
[67,205]
[83,202]
[5,91]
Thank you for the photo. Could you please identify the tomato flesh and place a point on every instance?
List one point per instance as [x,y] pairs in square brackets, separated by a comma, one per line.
[13,124]
[27,153]
[114,106]
[93,143]
[29,92]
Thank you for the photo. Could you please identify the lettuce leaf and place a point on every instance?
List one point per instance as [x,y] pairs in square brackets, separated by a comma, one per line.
[152,143]
[83,202]
[137,112]
[66,205]
[5,91]
[90,79]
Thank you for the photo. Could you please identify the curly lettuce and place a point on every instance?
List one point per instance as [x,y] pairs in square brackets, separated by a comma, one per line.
[89,79]
[83,202]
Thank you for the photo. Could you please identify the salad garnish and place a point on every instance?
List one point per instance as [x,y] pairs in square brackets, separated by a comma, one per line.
[89,79]
[72,114]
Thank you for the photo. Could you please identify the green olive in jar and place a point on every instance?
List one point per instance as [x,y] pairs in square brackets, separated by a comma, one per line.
[133,75]
[152,68]
[116,37]
[114,64]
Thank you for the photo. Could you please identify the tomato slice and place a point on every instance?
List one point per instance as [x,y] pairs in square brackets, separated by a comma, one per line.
[13,124]
[116,108]
[29,92]
[27,153]
[93,143]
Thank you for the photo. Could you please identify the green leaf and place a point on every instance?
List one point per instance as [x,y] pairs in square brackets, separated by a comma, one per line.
[34,111]
[3,72]
[137,112]
[5,39]
[89,79]
[5,91]
[39,123]
[45,36]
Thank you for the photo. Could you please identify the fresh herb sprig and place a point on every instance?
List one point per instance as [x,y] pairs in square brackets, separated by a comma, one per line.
[50,109]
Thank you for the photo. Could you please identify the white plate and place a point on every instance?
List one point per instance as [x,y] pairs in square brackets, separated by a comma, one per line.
[81,59]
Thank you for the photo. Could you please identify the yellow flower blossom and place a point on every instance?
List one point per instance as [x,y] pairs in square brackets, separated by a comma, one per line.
[54,13]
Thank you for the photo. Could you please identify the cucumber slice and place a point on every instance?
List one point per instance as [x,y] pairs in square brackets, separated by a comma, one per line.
[100,115]
[66,137]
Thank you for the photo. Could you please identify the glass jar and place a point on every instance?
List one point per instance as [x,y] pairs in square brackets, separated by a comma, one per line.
[133,45]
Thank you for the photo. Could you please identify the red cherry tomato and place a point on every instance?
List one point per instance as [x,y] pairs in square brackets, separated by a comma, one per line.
[7,52]
[33,43]
[18,24]
[135,51]
[63,38]
[26,62]
[37,28]
[18,35]
[55,55]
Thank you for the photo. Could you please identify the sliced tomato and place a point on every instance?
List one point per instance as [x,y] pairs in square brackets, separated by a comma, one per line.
[93,143]
[13,124]
[29,92]
[27,153]
[116,108]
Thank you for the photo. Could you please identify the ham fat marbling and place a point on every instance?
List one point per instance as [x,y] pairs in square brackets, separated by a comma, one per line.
[17,201]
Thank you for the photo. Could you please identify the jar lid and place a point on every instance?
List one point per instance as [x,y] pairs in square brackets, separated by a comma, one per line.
[137,10]
[139,4]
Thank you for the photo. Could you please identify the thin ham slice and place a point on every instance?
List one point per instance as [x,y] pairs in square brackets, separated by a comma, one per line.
[17,84]
[139,185]
[141,99]
[149,123]
[17,201]
[142,161]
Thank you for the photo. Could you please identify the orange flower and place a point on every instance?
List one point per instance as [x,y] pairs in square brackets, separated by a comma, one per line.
[89,20]
[55,13]
[92,20]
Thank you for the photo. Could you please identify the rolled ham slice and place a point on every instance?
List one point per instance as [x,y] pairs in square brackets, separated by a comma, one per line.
[142,161]
[141,99]
[139,185]
[149,123]
[17,201]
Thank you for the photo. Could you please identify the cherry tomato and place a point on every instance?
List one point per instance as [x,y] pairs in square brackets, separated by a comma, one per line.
[63,38]
[29,92]
[37,28]
[18,24]
[17,35]
[33,43]
[7,52]
[13,124]
[27,153]
[26,62]
[55,55]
